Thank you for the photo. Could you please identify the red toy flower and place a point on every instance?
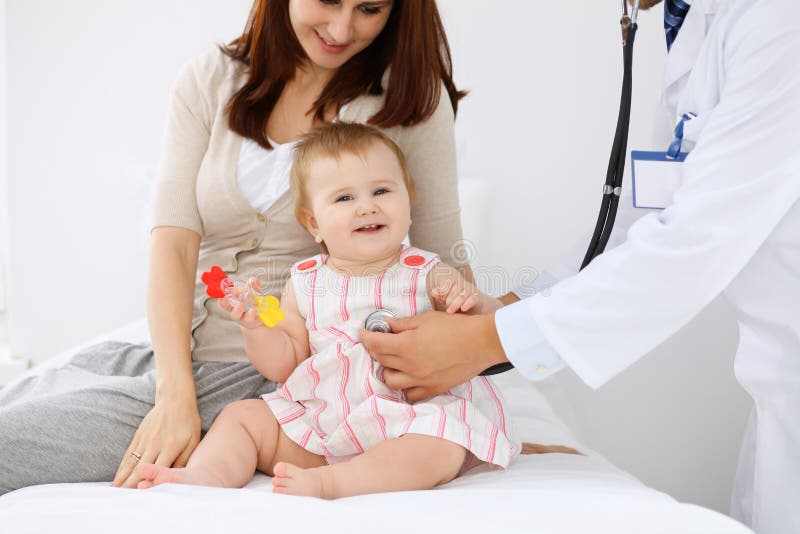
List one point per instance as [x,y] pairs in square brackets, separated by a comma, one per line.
[213,280]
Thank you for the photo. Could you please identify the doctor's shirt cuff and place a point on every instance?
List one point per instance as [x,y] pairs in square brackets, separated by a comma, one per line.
[524,344]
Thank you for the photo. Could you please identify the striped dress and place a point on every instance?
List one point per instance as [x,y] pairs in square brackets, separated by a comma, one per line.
[335,403]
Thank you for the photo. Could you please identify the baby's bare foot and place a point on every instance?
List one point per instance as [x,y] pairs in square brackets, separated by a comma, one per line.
[153,475]
[292,480]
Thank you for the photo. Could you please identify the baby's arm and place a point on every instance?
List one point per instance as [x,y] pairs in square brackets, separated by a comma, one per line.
[450,292]
[274,352]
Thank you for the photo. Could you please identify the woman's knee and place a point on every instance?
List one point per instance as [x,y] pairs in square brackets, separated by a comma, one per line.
[7,433]
[58,439]
[17,448]
[18,425]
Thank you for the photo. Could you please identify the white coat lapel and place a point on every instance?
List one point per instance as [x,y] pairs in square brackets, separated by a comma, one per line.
[684,52]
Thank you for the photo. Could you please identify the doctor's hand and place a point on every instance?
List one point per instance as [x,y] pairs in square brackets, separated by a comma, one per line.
[433,352]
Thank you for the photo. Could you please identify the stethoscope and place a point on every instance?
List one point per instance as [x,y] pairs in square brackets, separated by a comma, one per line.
[612,188]
[616,164]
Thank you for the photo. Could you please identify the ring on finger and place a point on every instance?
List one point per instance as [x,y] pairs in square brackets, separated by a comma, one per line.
[136,455]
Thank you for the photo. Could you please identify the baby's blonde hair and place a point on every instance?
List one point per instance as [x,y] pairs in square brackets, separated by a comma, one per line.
[330,141]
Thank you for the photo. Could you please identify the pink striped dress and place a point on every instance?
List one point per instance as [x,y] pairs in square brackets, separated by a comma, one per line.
[335,403]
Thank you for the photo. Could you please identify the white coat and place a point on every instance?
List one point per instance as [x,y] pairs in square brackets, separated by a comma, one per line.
[733,228]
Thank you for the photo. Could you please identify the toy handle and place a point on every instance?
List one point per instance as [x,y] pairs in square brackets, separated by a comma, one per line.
[252,293]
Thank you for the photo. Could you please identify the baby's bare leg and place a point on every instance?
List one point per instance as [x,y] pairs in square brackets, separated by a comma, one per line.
[411,462]
[244,437]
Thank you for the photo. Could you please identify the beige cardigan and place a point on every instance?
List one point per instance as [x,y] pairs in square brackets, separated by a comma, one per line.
[196,189]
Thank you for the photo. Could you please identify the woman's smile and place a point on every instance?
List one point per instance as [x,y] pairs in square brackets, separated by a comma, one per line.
[329,47]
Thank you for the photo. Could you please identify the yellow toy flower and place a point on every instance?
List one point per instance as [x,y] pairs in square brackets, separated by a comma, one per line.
[269,310]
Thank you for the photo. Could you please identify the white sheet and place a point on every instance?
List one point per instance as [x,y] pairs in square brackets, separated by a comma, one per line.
[553,493]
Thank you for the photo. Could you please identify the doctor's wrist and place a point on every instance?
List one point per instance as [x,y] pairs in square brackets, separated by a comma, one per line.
[491,351]
[509,298]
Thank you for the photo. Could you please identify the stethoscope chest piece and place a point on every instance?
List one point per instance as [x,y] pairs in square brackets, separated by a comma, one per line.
[376,321]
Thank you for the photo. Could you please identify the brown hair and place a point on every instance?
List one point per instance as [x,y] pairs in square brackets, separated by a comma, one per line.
[330,141]
[413,43]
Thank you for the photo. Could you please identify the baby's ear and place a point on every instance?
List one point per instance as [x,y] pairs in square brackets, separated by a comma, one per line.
[310,222]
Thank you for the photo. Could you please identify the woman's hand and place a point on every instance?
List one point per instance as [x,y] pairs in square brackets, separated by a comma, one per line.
[433,352]
[167,436]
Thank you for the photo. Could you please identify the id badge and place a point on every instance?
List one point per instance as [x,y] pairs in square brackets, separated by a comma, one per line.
[656,176]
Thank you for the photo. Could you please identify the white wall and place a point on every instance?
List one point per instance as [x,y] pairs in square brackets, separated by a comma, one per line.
[87,90]
[88,84]
[3,179]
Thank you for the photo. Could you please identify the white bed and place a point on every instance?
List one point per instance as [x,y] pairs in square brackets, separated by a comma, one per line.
[551,493]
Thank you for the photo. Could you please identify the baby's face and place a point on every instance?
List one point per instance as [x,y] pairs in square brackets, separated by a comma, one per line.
[359,204]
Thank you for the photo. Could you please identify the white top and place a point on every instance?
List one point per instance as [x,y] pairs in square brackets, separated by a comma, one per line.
[263,175]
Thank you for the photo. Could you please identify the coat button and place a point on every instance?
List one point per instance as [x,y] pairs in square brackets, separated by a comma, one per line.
[306,265]
[261,218]
[414,261]
[254,242]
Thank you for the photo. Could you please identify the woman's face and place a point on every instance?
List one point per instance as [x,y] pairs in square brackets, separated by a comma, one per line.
[333,31]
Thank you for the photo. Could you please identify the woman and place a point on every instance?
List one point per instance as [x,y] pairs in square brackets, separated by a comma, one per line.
[222,199]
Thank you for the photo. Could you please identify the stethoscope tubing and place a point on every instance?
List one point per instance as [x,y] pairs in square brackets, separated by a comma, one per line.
[616,165]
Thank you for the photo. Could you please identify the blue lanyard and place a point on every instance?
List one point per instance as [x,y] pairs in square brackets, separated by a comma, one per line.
[675,147]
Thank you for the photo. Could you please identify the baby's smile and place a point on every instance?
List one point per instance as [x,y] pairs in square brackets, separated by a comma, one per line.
[370,229]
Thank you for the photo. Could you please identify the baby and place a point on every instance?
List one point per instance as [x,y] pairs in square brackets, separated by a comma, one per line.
[333,428]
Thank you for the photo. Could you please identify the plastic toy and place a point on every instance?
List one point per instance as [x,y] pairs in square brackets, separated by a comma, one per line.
[220,286]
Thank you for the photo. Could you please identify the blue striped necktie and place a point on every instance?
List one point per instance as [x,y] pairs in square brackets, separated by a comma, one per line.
[674,14]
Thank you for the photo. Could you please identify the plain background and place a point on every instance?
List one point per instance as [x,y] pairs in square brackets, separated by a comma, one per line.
[3,182]
[82,104]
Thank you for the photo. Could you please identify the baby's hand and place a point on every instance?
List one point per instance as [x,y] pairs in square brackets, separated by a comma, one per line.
[247,318]
[452,298]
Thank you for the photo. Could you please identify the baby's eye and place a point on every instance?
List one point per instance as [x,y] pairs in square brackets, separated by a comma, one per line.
[344,198]
[381,191]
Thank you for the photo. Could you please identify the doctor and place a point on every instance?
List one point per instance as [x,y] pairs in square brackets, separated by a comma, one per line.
[733,228]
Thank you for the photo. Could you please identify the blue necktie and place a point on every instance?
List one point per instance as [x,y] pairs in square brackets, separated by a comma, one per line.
[674,14]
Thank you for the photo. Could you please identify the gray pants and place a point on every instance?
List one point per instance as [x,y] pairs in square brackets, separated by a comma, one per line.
[74,423]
